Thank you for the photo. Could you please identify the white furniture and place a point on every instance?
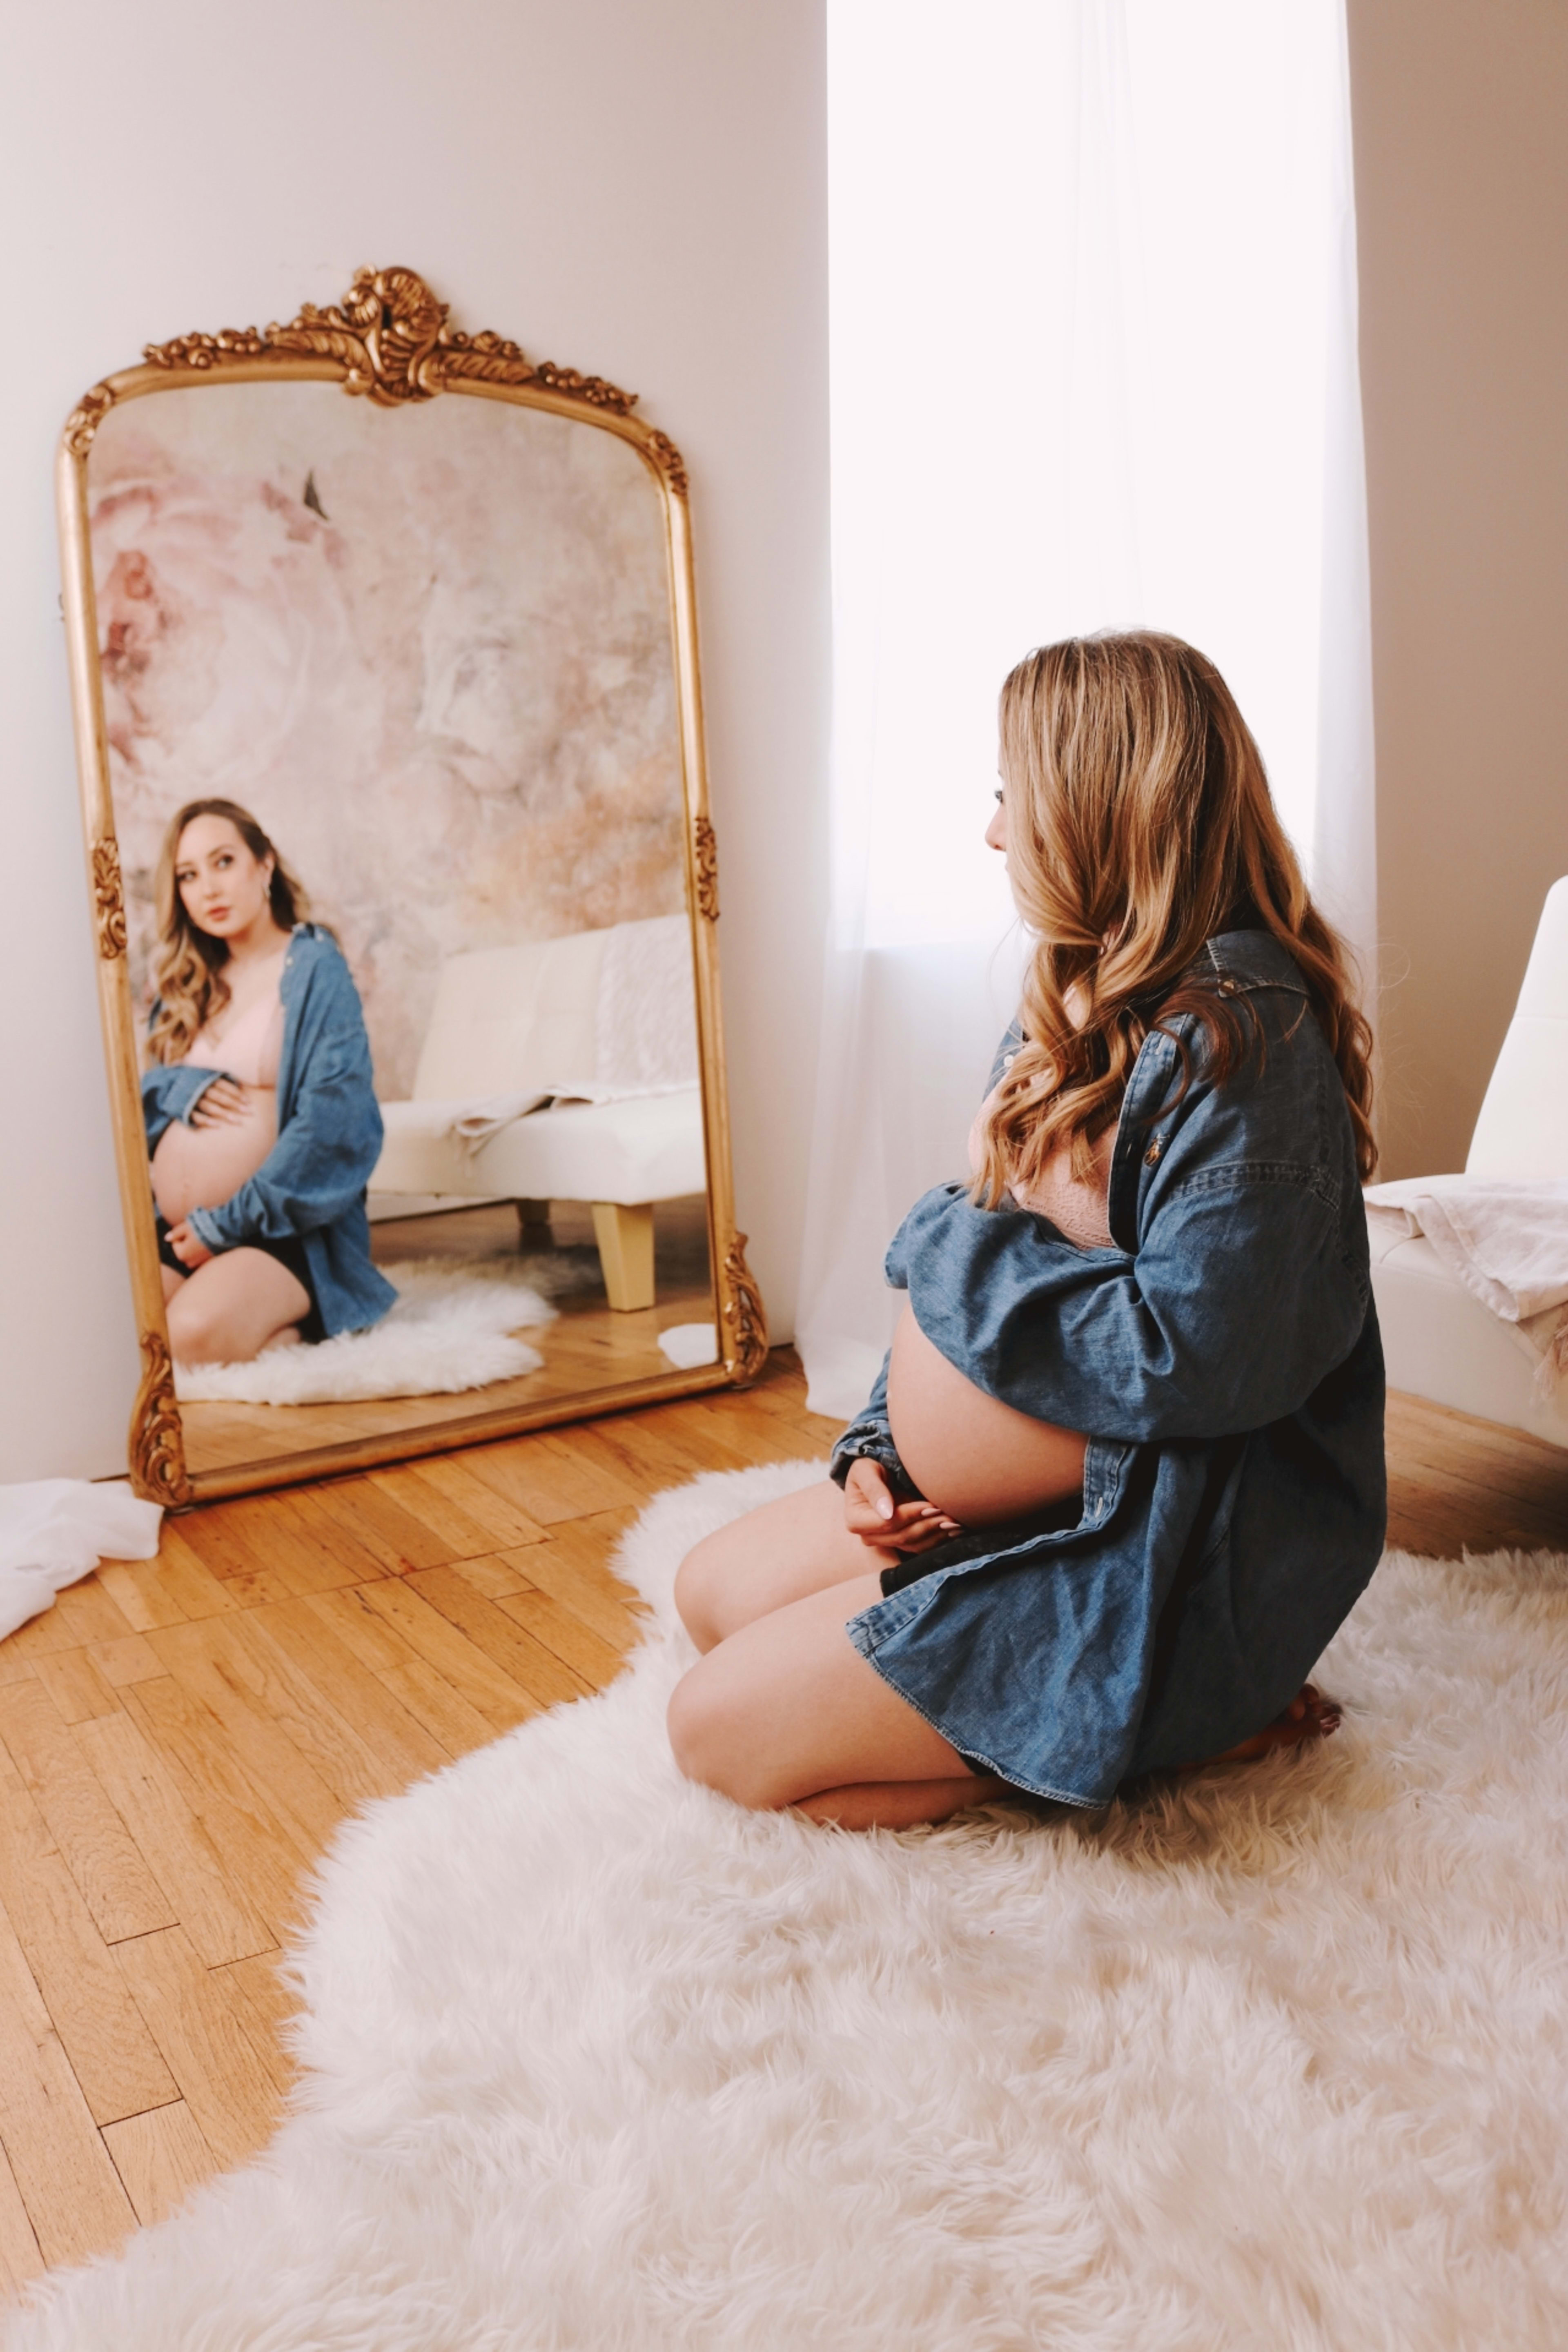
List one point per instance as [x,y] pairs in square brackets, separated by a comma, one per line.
[612,1007]
[1440,1341]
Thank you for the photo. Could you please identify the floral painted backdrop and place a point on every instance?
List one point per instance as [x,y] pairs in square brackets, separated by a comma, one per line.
[428,647]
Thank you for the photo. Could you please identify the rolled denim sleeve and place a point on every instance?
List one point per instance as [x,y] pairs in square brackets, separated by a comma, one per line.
[170,1091]
[870,1436]
[1188,1338]
[318,1168]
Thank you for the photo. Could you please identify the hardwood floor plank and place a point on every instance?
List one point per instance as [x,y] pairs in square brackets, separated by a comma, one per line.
[445,1490]
[552,1477]
[495,1577]
[444,1713]
[560,1629]
[246,1654]
[539,1671]
[82,1612]
[130,1659]
[573,1569]
[403,1748]
[116,1884]
[364,1631]
[70,2189]
[176,1588]
[20,2257]
[409,1541]
[215,1911]
[269,2002]
[472,1675]
[340,1503]
[260,1857]
[304,1805]
[233,2087]
[160,2156]
[77,1685]
[111,2055]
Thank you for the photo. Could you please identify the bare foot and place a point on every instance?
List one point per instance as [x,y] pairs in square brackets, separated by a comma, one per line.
[1310,1716]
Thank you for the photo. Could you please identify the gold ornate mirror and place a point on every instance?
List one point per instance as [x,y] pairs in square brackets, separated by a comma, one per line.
[405,896]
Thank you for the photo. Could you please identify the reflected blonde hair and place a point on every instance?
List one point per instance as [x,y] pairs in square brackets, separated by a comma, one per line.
[188,963]
[1139,819]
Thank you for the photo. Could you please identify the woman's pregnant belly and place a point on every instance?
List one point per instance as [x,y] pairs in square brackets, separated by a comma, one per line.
[973,1457]
[200,1167]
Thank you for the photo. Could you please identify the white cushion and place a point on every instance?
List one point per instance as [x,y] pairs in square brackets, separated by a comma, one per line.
[1523,1130]
[512,1020]
[1440,1342]
[650,1148]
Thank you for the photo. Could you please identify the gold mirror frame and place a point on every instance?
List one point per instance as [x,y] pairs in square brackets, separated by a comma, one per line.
[391,342]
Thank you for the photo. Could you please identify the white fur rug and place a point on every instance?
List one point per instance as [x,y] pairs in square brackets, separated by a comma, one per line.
[453,1328]
[1273,2061]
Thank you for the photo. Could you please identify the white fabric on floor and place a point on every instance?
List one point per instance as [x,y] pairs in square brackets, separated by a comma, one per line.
[1506,1243]
[54,1531]
[1272,2056]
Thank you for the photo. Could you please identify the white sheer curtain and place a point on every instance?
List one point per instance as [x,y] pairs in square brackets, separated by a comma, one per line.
[1094,365]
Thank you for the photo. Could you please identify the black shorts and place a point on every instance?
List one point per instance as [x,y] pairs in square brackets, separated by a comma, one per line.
[973,1544]
[288,1253]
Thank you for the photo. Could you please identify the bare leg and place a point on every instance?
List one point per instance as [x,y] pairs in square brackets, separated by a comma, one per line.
[776,1554]
[233,1306]
[172,1283]
[785,1711]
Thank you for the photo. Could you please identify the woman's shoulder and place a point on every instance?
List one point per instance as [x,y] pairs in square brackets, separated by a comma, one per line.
[314,958]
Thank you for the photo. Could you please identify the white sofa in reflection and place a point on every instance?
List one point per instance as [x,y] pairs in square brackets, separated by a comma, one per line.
[1438,1341]
[610,1009]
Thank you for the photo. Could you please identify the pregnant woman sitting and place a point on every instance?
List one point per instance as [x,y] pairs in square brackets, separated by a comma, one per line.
[1122,1476]
[261,1117]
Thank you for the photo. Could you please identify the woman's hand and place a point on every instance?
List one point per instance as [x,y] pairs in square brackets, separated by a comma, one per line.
[187,1246]
[883,1524]
[223,1104]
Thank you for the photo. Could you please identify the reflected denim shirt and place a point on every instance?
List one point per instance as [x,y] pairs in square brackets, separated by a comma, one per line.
[312,1182]
[1223,1358]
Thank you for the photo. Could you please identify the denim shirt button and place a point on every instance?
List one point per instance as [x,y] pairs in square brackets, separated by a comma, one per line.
[1151,1157]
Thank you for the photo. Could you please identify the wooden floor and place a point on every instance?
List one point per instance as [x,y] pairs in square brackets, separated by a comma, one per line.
[181,1737]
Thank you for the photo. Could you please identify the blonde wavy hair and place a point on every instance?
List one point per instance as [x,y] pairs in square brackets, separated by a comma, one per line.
[1139,824]
[187,965]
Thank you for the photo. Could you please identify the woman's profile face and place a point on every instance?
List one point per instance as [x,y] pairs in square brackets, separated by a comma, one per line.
[996,831]
[224,886]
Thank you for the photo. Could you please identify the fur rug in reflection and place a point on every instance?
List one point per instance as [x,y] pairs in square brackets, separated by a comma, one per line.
[1274,2057]
[454,1328]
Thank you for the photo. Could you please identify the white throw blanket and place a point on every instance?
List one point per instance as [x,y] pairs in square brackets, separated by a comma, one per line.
[54,1531]
[1506,1244]
[475,1121]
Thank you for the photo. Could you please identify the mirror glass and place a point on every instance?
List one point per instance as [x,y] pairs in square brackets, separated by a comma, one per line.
[429,651]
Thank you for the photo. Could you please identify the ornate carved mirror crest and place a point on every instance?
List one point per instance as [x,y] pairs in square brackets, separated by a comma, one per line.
[413,1026]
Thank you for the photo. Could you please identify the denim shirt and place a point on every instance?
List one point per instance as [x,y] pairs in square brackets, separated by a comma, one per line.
[312,1182]
[1223,1358]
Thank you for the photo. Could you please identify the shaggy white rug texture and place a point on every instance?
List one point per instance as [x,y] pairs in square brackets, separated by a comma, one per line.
[1274,2058]
[454,1328]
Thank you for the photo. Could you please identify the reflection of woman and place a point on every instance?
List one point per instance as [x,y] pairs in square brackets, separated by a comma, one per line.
[1123,1475]
[262,1120]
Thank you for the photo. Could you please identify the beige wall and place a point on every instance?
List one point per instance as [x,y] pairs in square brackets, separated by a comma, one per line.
[1461,146]
[634,187]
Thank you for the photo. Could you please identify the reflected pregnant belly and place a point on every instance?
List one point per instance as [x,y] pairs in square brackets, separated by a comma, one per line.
[971,1456]
[200,1167]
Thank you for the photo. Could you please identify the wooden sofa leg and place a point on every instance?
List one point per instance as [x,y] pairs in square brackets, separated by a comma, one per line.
[625,1253]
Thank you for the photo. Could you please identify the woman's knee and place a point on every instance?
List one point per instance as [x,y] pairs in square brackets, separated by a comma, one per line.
[698,1581]
[708,1739]
[195,1333]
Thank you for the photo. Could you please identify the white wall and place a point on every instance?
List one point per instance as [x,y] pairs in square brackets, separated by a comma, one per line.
[634,187]
[1461,155]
